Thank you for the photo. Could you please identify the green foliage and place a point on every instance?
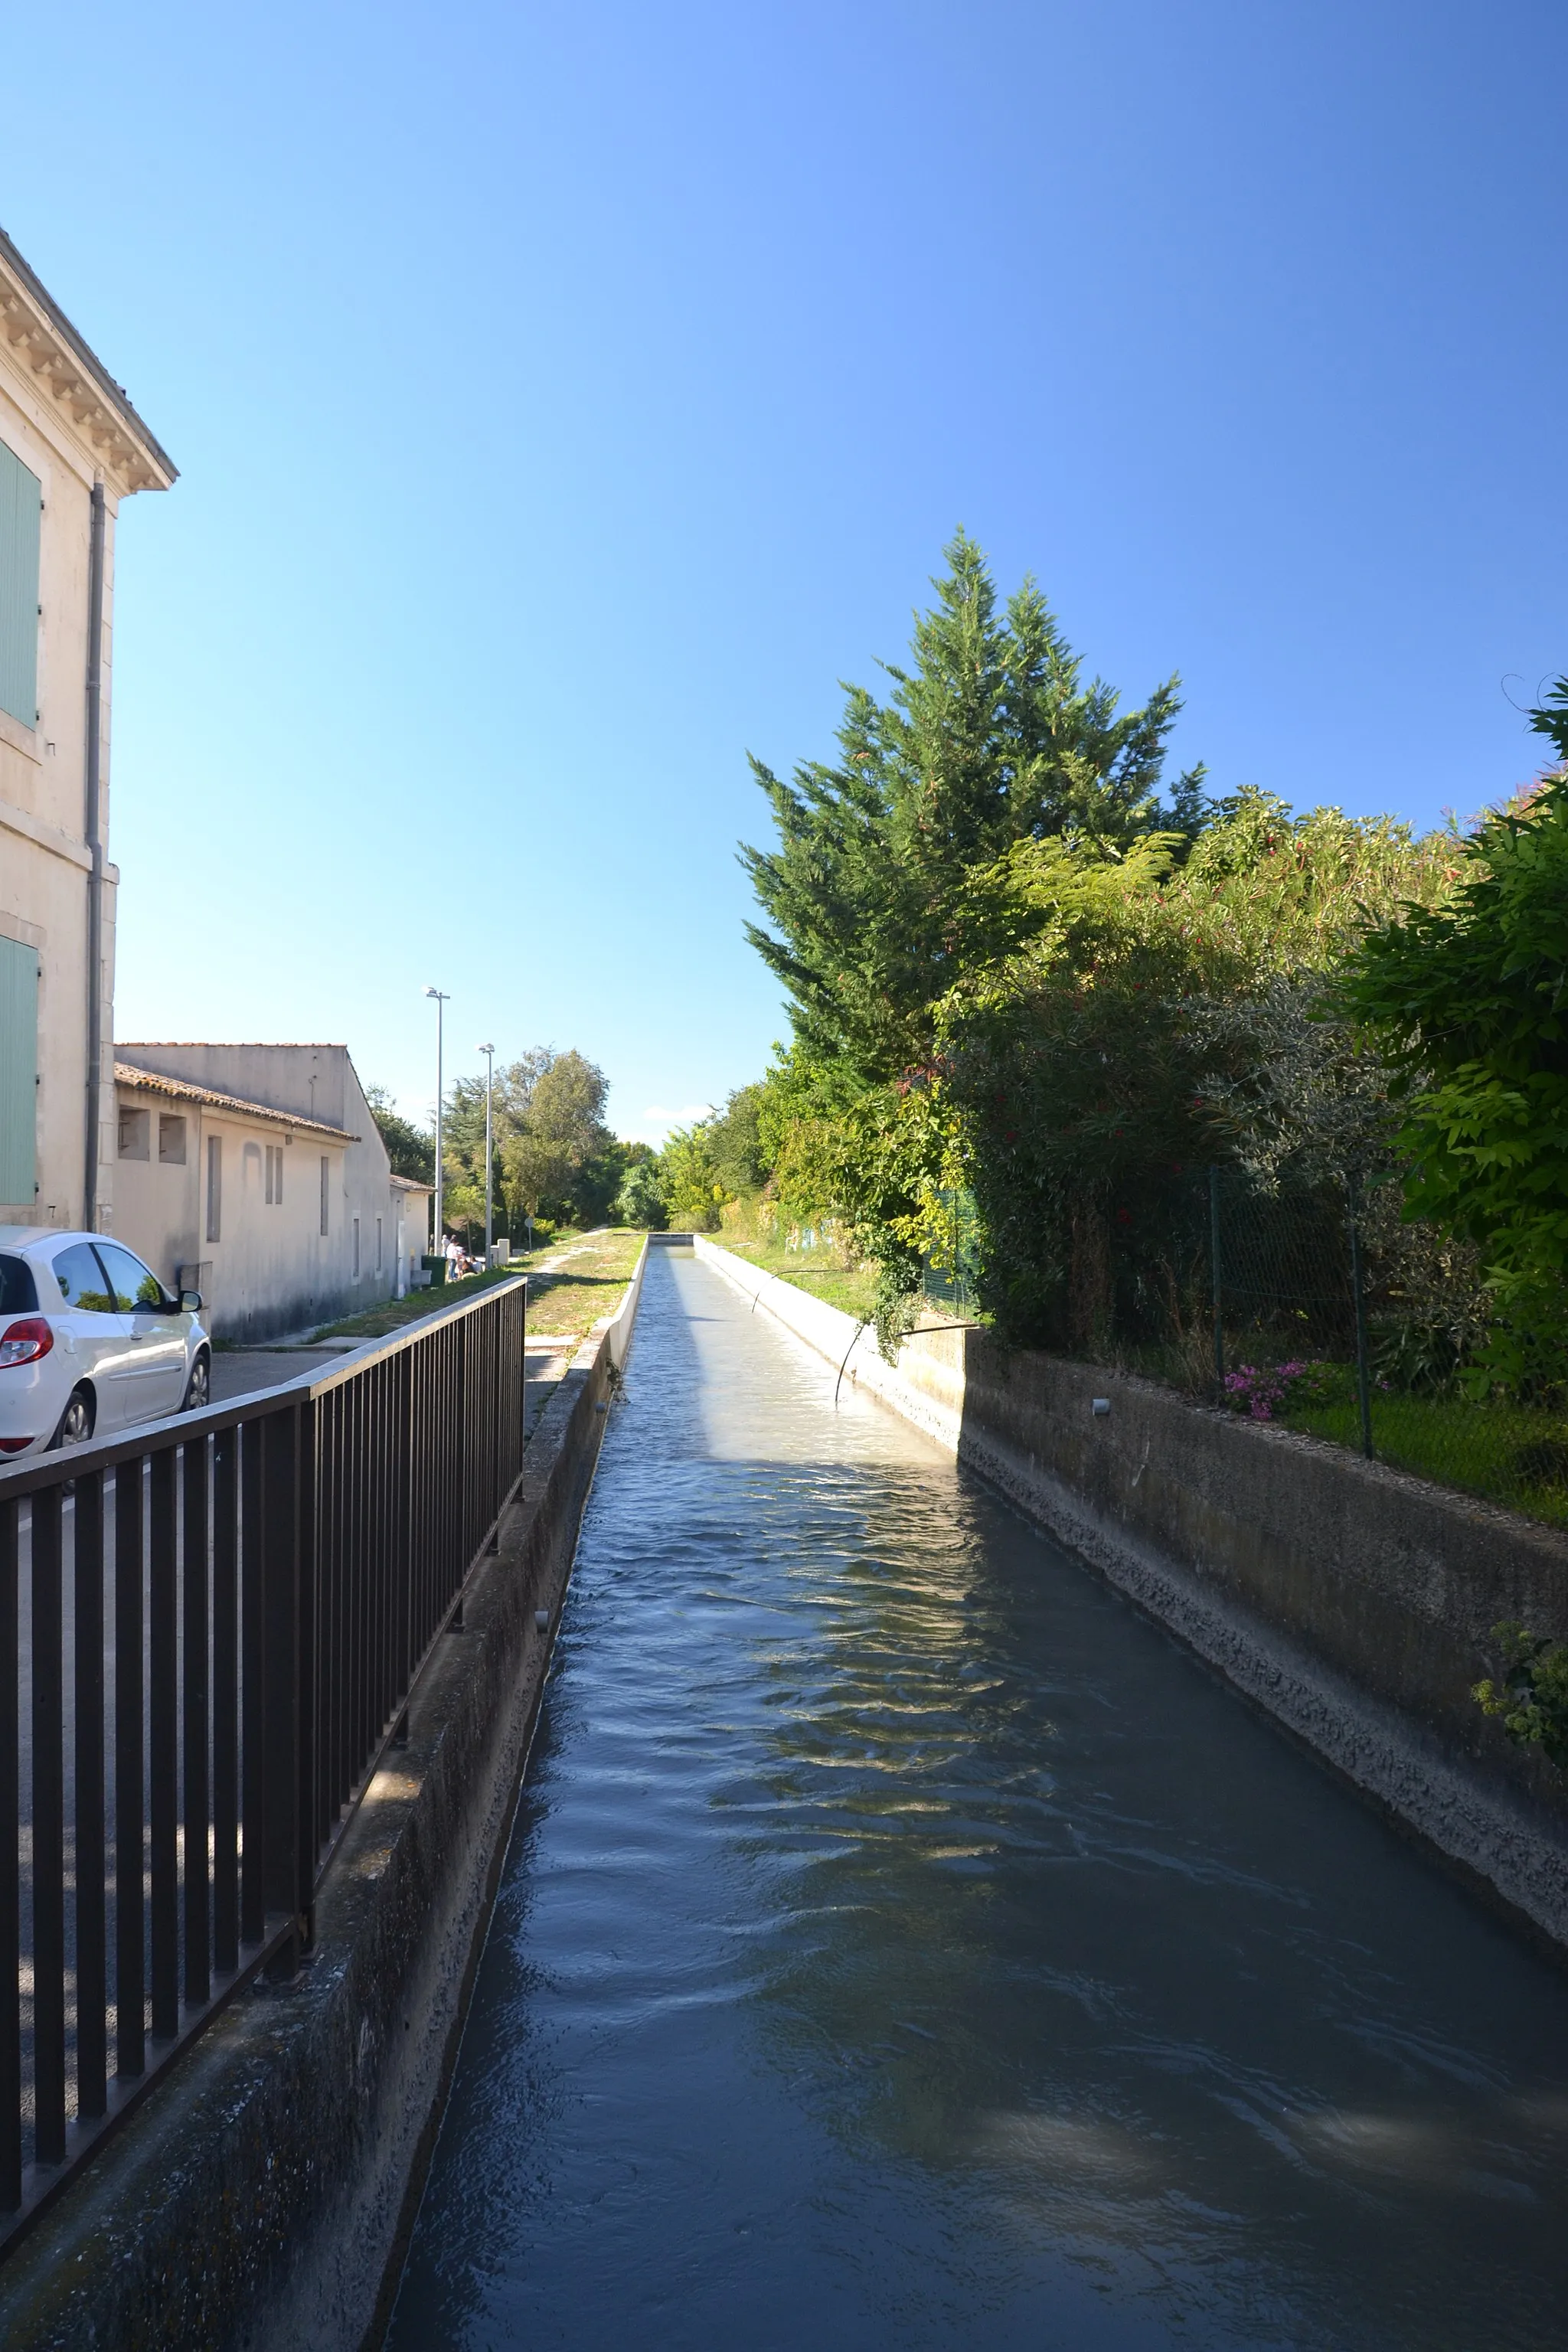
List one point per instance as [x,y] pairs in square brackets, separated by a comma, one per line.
[1532,1698]
[716,1162]
[1012,975]
[1140,1020]
[553,1155]
[640,1200]
[411,1149]
[1469,1000]
[735,1144]
[688,1176]
[558,1156]
[990,738]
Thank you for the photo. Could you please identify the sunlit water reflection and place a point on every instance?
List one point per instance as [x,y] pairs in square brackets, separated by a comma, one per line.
[904,1944]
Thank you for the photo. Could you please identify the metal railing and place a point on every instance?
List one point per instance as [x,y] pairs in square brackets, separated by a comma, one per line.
[209,1629]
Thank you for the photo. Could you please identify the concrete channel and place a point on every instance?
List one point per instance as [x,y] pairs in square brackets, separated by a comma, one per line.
[899,1937]
[905,1940]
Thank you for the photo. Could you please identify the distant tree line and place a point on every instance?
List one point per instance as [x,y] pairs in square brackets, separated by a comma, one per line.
[553,1157]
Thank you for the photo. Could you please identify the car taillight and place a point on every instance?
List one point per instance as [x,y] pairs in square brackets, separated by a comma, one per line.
[25,1342]
[14,1444]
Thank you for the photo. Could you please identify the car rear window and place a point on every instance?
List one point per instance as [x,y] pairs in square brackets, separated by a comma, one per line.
[18,1291]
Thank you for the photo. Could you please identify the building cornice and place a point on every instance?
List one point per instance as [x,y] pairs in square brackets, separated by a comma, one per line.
[45,837]
[41,337]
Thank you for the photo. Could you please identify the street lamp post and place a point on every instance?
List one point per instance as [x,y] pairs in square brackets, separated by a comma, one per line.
[438,1239]
[489,1053]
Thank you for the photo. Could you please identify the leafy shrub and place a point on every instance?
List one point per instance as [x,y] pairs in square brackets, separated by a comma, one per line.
[1532,1698]
[1263,1392]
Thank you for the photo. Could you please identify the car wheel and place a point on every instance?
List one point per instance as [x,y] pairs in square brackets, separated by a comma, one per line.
[76,1420]
[199,1387]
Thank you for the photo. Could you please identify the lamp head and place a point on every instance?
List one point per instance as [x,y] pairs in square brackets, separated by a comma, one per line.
[484,1049]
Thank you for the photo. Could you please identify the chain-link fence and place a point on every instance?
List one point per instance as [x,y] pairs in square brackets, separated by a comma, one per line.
[951,1274]
[1313,1303]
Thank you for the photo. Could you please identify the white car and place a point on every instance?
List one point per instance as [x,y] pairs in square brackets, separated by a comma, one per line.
[91,1341]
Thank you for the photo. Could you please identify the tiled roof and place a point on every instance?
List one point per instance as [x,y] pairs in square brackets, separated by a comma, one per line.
[126,1074]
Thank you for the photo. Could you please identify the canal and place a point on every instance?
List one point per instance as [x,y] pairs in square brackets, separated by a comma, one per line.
[904,1944]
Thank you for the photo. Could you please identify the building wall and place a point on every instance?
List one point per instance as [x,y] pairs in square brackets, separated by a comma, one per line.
[271,1268]
[43,859]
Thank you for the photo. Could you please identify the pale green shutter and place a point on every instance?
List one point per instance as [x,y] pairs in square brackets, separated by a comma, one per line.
[21,510]
[19,1072]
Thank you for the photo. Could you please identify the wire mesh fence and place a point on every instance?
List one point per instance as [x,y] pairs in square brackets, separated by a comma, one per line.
[950,1277]
[1310,1302]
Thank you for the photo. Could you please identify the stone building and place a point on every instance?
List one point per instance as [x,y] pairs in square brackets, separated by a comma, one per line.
[72,449]
[256,1175]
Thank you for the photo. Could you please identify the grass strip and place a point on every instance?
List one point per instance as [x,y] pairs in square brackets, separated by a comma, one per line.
[564,1301]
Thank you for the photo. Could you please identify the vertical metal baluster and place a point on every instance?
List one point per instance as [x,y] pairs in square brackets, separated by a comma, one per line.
[281,1635]
[405,1515]
[226,1701]
[307,1708]
[129,1786]
[371,1718]
[344,1435]
[91,1973]
[165,1749]
[198,1944]
[49,1834]
[336,1670]
[376,1480]
[253,1683]
[10,1874]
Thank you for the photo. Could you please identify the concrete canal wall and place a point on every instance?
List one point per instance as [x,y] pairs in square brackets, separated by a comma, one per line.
[1352,1601]
[256,2199]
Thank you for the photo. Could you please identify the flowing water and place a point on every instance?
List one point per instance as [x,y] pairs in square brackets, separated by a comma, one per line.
[904,1944]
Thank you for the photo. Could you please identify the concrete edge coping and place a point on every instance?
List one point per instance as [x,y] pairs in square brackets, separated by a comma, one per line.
[260,2191]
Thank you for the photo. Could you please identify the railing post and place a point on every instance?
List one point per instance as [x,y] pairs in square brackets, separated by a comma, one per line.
[164,1721]
[198,1719]
[91,1989]
[10,1875]
[226,1701]
[253,1781]
[130,1780]
[307,1802]
[280,1647]
[49,1834]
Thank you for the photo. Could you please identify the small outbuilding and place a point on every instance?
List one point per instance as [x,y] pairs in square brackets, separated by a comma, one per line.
[256,1174]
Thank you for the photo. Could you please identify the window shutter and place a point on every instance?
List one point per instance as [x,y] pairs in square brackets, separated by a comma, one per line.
[19,1072]
[21,510]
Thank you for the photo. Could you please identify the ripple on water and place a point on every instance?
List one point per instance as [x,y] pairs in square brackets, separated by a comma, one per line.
[902,1943]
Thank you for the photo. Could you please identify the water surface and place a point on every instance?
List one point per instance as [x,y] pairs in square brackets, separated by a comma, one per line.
[905,1944]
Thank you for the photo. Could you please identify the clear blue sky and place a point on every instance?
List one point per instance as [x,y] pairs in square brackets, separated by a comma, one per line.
[567,397]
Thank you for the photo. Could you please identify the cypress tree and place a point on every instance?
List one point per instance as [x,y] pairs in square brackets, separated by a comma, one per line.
[988,738]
